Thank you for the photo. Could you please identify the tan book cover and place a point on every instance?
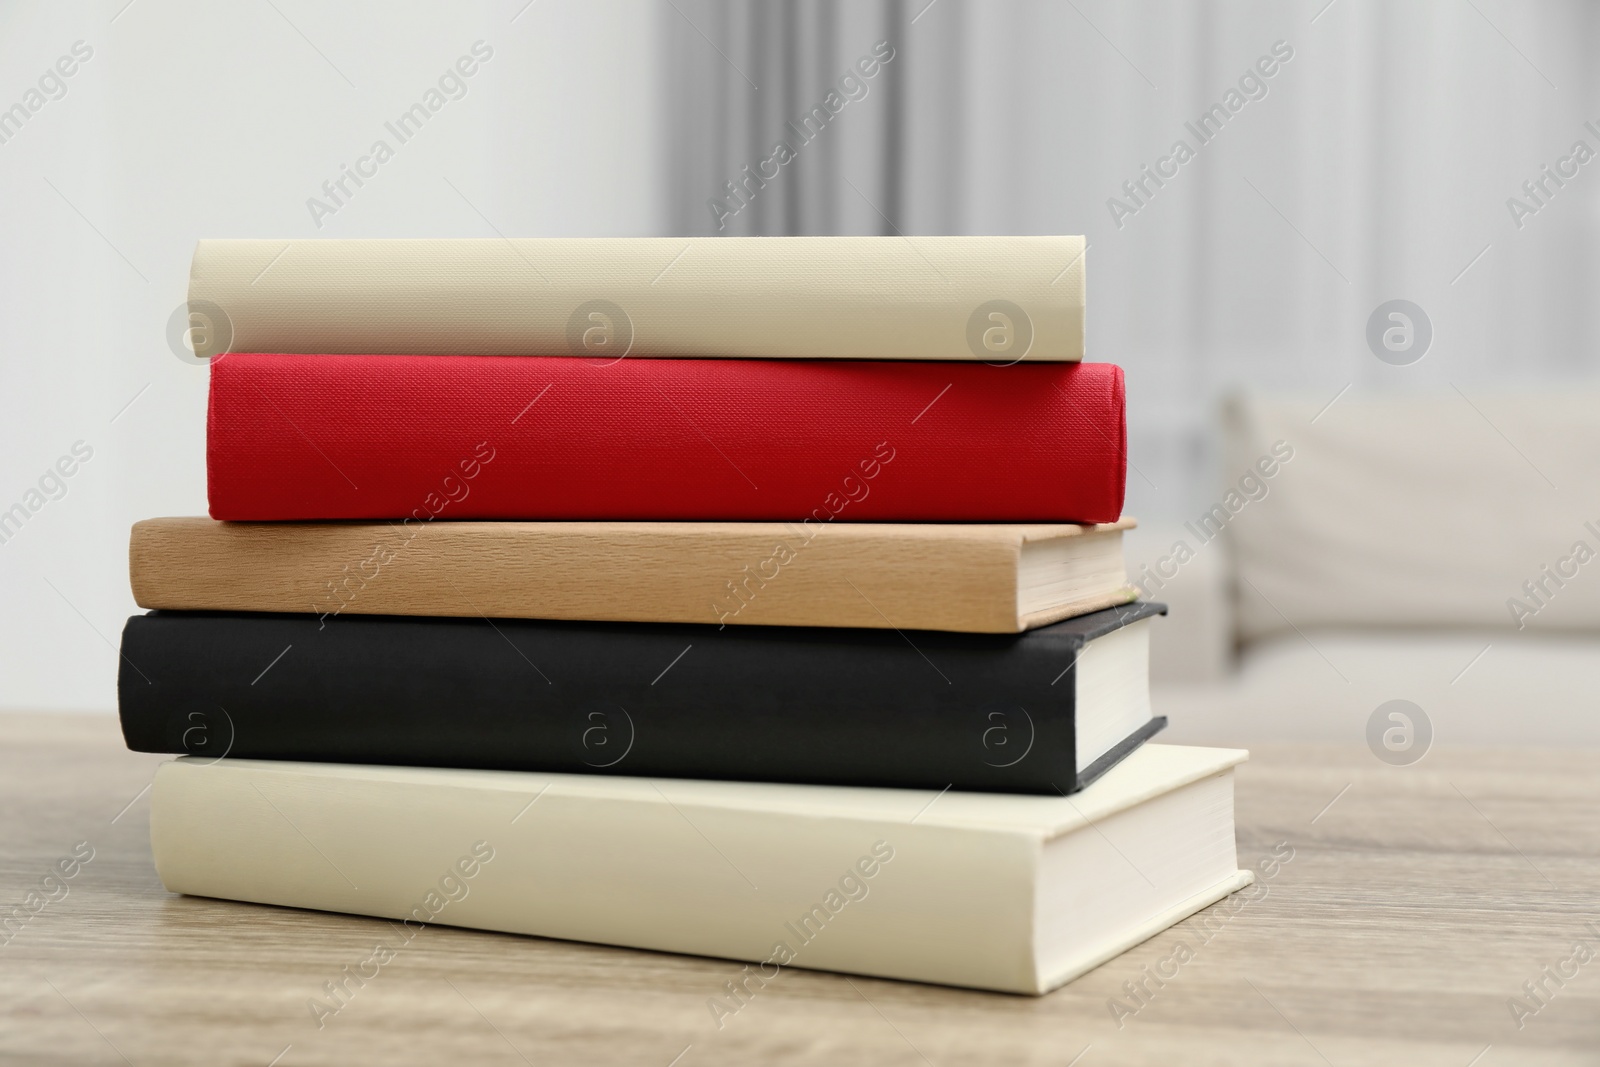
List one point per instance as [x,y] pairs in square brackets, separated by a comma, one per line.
[972,578]
[997,299]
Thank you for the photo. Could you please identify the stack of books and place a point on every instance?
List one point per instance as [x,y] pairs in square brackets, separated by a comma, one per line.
[759,598]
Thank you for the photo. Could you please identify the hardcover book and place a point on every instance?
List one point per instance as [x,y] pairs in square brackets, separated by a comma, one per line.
[992,299]
[423,438]
[1012,893]
[974,577]
[1046,711]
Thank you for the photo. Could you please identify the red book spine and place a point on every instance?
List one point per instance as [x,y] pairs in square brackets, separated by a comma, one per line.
[485,437]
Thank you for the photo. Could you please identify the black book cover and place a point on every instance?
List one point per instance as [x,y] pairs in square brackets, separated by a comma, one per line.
[915,709]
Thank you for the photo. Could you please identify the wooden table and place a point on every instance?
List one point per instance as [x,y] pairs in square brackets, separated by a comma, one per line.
[1417,903]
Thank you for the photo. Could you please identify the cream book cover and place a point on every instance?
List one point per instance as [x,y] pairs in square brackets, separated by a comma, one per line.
[996,299]
[993,891]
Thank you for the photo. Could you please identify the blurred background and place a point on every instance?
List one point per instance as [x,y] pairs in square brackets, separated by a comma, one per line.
[1336,157]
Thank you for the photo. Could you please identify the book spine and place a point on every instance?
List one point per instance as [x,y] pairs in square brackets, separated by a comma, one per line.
[524,854]
[986,299]
[415,439]
[826,705]
[771,574]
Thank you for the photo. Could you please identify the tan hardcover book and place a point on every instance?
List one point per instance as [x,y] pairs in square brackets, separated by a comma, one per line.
[998,299]
[973,578]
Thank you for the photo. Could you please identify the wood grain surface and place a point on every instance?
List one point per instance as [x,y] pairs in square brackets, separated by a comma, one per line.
[1418,901]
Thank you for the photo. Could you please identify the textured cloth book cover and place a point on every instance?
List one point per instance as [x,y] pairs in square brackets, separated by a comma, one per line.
[867,707]
[482,437]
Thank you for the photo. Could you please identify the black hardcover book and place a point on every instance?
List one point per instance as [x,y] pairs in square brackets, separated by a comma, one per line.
[1045,711]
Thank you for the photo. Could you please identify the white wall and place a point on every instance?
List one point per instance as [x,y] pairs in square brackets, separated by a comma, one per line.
[194,119]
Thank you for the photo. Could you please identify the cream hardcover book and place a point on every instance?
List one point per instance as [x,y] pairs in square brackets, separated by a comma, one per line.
[996,299]
[992,891]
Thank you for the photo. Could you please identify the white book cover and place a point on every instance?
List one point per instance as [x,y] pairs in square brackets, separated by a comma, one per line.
[996,299]
[993,891]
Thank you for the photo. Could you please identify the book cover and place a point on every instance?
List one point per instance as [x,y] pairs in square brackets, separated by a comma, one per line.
[913,709]
[928,576]
[423,438]
[992,299]
[1011,893]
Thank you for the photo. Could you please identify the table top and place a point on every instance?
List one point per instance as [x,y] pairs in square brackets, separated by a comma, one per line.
[1417,903]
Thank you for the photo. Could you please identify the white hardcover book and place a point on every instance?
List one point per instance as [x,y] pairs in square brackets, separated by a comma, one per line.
[996,299]
[992,891]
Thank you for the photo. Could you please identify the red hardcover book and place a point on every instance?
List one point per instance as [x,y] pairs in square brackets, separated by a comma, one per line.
[510,437]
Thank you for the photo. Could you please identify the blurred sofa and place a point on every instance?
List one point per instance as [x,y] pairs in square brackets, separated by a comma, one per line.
[1442,549]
